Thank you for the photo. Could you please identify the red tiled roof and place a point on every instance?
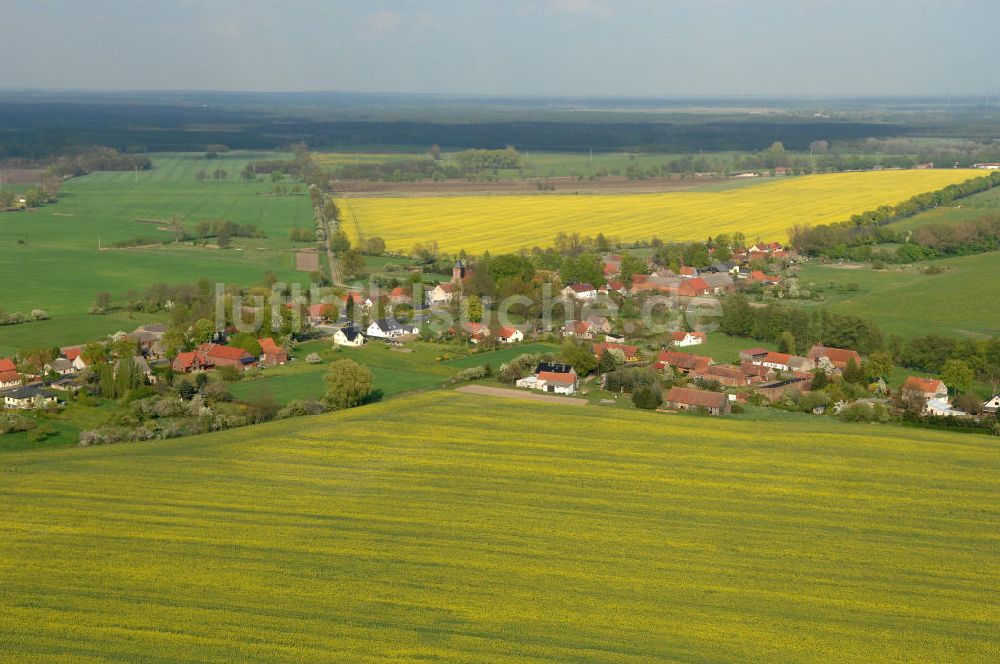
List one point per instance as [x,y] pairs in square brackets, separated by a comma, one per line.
[777,358]
[7,364]
[398,291]
[71,352]
[692,397]
[554,377]
[599,348]
[269,347]
[683,360]
[9,376]
[925,385]
[581,288]
[840,357]
[188,359]
[724,372]
[506,332]
[687,270]
[699,284]
[680,336]
[223,352]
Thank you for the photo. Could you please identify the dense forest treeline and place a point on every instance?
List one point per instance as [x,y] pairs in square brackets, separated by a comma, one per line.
[39,129]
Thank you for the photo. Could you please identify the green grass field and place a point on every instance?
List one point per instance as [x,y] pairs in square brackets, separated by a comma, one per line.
[453,527]
[393,371]
[966,209]
[52,253]
[905,301]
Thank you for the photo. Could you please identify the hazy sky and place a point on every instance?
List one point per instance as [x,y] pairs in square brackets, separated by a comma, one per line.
[531,47]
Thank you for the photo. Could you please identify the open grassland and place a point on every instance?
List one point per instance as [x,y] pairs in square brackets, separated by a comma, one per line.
[965,209]
[52,254]
[422,366]
[455,527]
[507,223]
[903,300]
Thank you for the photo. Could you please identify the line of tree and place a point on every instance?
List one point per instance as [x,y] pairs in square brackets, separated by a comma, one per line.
[98,158]
[861,229]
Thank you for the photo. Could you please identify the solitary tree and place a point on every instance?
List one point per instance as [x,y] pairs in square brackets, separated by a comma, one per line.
[348,384]
[957,374]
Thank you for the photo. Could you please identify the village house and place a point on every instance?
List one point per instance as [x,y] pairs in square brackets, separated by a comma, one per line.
[59,365]
[552,378]
[723,375]
[681,338]
[682,362]
[359,300]
[317,314]
[992,405]
[580,292]
[9,377]
[73,354]
[631,352]
[756,373]
[190,362]
[784,362]
[349,335]
[613,286]
[476,331]
[773,391]
[218,355]
[924,389]
[29,397]
[441,294]
[599,324]
[752,354]
[509,335]
[400,295]
[687,398]
[580,329]
[271,354]
[840,358]
[390,328]
[688,272]
[719,282]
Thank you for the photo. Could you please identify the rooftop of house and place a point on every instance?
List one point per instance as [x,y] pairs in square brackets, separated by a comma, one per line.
[925,385]
[692,397]
[557,377]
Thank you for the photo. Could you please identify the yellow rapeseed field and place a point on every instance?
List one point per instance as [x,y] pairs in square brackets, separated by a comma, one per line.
[450,527]
[507,223]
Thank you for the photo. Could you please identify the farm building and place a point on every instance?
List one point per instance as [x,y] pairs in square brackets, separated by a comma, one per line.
[775,390]
[271,353]
[631,352]
[552,378]
[687,398]
[682,362]
[838,357]
[217,355]
[727,376]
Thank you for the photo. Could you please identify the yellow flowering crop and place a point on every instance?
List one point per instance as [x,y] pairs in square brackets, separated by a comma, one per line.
[451,527]
[507,223]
